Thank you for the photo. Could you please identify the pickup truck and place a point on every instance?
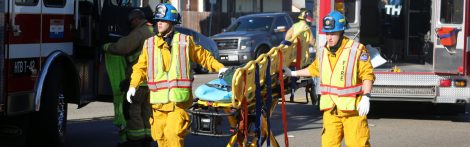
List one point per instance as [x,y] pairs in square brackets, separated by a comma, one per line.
[250,36]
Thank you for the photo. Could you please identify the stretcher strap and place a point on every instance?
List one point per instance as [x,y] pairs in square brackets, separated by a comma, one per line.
[298,59]
[269,100]
[281,83]
[258,105]
[244,111]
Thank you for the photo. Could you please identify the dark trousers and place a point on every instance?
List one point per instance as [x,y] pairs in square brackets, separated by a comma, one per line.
[137,115]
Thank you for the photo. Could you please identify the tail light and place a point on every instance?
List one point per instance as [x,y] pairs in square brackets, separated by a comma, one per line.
[453,83]
[445,83]
[460,83]
[460,69]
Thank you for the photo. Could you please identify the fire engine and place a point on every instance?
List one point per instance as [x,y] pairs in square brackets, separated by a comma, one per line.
[50,55]
[425,44]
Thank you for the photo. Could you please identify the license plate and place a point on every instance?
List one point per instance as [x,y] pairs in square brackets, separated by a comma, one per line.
[232,57]
[24,66]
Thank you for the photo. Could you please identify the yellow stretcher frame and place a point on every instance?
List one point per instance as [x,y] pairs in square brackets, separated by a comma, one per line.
[243,87]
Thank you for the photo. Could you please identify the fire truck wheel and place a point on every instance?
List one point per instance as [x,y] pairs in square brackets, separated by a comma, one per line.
[261,50]
[51,119]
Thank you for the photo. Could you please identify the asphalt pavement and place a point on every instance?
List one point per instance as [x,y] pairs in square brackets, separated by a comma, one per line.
[392,124]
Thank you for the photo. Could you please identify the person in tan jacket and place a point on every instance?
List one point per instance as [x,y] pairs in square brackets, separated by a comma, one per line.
[132,119]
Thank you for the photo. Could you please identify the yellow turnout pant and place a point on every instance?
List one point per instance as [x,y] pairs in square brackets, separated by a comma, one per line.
[350,125]
[169,127]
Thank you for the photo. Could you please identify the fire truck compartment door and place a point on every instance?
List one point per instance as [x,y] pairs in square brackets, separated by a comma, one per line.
[448,14]
[24,39]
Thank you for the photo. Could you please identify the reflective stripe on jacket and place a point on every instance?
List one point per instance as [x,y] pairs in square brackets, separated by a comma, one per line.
[173,85]
[339,85]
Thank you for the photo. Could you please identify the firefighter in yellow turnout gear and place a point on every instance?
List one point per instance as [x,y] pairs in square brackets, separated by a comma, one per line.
[346,75]
[306,37]
[165,63]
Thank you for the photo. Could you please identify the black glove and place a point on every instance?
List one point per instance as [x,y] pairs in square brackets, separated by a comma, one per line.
[124,85]
[285,42]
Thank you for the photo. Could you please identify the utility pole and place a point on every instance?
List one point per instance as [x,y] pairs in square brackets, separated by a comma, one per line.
[212,2]
[261,5]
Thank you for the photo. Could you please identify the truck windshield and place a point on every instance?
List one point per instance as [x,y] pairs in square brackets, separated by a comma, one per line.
[251,24]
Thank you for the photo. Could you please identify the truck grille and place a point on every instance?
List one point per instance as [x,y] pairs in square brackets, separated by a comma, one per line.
[226,44]
[403,91]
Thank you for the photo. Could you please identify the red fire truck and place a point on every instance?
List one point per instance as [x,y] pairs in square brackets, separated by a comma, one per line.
[50,55]
[425,44]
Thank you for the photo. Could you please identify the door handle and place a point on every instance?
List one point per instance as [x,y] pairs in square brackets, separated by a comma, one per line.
[16,30]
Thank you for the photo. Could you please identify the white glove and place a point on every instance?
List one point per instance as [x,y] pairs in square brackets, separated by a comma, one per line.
[130,92]
[364,105]
[289,72]
[222,71]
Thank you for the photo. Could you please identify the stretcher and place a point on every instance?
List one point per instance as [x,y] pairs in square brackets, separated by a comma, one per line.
[249,97]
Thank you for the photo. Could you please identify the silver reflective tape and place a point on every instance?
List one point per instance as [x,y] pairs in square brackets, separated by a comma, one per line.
[150,56]
[180,83]
[351,61]
[336,91]
[166,84]
[162,85]
[182,46]
[151,86]
[320,63]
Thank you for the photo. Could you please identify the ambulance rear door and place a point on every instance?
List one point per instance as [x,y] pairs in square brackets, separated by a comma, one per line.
[448,15]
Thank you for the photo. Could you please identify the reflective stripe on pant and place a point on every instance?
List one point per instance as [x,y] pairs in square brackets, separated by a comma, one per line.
[138,114]
[354,128]
[169,127]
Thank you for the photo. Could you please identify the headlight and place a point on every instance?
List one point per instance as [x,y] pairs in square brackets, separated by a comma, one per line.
[245,43]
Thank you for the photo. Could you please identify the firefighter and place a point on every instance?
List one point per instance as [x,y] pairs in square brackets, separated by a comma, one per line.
[165,63]
[346,74]
[304,23]
[132,119]
[305,38]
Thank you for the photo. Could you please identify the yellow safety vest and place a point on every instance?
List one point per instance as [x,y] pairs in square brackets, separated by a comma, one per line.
[174,85]
[339,85]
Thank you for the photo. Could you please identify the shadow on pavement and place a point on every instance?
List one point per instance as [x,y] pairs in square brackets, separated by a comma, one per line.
[419,110]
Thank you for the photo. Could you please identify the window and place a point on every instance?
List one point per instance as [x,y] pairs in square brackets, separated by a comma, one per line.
[216,7]
[132,3]
[54,3]
[348,8]
[136,3]
[280,21]
[452,11]
[251,24]
[26,2]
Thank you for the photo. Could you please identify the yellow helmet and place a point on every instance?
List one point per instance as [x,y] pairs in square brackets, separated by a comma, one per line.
[305,15]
